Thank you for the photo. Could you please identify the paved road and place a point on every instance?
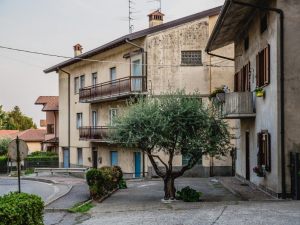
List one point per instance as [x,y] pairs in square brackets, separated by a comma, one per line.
[47,191]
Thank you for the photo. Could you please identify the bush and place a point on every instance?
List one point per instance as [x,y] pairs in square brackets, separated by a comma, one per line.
[41,159]
[122,184]
[42,154]
[21,209]
[103,180]
[3,164]
[4,146]
[188,194]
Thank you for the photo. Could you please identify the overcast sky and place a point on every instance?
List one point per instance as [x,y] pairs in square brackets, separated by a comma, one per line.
[54,26]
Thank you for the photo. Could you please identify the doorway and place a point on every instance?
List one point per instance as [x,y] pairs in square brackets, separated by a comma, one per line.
[247,156]
[95,157]
[66,157]
[137,164]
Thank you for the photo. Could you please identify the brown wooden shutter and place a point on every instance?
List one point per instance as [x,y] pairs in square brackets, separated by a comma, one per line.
[267,65]
[248,77]
[257,70]
[236,82]
[268,157]
[260,152]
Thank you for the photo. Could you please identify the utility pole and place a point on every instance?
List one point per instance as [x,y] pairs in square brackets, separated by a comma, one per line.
[130,19]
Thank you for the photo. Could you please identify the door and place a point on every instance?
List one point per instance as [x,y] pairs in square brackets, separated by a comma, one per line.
[95,158]
[66,158]
[247,156]
[114,158]
[136,75]
[94,118]
[137,164]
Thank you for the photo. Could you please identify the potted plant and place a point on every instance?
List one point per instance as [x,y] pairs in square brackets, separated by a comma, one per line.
[259,170]
[260,92]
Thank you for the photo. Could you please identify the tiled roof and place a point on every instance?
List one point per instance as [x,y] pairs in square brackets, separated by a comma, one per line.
[134,36]
[8,134]
[32,135]
[50,103]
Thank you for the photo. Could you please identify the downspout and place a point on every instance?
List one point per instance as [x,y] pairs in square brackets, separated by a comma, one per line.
[69,107]
[282,103]
[145,71]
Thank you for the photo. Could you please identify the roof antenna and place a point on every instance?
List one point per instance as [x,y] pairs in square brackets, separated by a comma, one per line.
[130,18]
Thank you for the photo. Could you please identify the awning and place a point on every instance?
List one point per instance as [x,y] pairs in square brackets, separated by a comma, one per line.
[232,23]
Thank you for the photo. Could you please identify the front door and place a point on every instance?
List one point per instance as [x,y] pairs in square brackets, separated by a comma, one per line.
[66,158]
[137,164]
[114,158]
[136,75]
[95,158]
[247,156]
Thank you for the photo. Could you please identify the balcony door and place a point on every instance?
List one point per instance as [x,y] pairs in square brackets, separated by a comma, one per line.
[247,156]
[66,157]
[136,83]
[94,118]
[114,158]
[137,164]
[94,157]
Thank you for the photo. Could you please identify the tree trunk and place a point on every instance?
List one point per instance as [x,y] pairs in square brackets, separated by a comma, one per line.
[169,188]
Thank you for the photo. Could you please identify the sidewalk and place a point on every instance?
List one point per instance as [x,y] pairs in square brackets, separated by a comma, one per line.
[243,190]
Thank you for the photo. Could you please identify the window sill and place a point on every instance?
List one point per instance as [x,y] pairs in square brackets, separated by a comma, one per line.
[192,65]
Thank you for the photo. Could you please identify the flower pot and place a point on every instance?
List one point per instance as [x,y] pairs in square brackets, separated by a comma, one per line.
[260,94]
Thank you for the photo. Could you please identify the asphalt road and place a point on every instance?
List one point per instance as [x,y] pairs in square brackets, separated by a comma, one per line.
[47,191]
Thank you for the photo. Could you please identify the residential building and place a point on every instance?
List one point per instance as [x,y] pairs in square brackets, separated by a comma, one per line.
[50,107]
[265,34]
[94,87]
[8,134]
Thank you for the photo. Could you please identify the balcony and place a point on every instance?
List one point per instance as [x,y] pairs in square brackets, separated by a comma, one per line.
[95,134]
[114,90]
[238,105]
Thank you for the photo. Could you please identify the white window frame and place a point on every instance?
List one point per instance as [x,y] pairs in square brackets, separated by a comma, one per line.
[79,120]
[94,118]
[94,78]
[113,112]
[79,160]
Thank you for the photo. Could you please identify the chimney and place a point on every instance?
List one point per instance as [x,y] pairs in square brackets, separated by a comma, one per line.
[77,50]
[156,18]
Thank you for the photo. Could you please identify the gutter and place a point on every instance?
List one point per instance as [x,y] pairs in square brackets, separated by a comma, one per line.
[282,103]
[69,106]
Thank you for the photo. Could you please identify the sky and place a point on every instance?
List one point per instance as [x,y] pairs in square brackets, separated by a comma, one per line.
[54,26]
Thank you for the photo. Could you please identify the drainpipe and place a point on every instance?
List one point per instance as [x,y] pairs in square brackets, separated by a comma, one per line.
[145,73]
[282,103]
[69,106]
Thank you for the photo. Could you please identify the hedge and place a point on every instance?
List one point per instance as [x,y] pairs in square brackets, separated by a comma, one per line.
[104,180]
[3,164]
[21,209]
[41,159]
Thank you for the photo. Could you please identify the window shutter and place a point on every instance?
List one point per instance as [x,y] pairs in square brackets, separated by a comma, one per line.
[236,82]
[268,157]
[260,152]
[267,65]
[257,70]
[248,77]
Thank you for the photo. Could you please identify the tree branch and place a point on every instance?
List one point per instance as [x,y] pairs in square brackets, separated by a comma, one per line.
[158,172]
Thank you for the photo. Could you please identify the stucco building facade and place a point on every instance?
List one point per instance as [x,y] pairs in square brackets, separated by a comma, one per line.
[265,36]
[94,87]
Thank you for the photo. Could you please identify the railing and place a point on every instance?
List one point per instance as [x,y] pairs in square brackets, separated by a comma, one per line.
[238,105]
[99,133]
[113,89]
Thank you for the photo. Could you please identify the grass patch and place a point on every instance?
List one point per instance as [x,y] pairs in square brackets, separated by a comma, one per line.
[81,208]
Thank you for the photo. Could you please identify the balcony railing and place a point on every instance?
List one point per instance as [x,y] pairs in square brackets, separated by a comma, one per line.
[119,88]
[97,134]
[238,105]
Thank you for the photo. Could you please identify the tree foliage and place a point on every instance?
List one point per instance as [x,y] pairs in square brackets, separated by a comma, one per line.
[15,120]
[4,146]
[173,124]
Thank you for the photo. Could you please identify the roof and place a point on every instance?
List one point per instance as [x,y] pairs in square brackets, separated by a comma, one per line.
[52,140]
[32,135]
[232,23]
[8,134]
[50,103]
[134,36]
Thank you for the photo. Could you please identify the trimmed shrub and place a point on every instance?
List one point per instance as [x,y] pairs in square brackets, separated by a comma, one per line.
[122,184]
[118,172]
[41,159]
[188,194]
[3,164]
[21,209]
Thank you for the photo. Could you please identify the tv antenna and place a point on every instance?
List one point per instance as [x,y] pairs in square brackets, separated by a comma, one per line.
[159,2]
[130,18]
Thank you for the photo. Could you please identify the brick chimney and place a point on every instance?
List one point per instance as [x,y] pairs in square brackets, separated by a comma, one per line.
[156,18]
[77,50]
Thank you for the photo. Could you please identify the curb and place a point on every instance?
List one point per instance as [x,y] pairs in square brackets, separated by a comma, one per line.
[66,209]
[62,195]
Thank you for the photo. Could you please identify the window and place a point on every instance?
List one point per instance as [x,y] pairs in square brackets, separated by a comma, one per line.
[242,79]
[50,128]
[263,67]
[246,43]
[94,78]
[263,23]
[112,115]
[264,150]
[94,118]
[114,158]
[113,73]
[78,120]
[82,81]
[191,58]
[76,85]
[185,160]
[79,157]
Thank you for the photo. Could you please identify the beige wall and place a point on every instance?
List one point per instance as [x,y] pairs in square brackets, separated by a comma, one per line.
[34,147]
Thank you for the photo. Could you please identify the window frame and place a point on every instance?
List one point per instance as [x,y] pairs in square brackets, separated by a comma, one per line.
[78,161]
[79,120]
[263,73]
[76,85]
[94,78]
[94,122]
[242,79]
[111,122]
[190,60]
[264,149]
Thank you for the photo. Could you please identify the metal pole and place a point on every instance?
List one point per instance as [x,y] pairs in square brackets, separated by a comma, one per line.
[18,164]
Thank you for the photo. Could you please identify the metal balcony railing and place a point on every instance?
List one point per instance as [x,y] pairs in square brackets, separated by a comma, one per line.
[238,105]
[115,89]
[98,133]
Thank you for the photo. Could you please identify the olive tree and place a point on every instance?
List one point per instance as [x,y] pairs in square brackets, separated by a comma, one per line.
[172,124]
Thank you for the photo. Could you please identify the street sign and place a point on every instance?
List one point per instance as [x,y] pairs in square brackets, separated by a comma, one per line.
[12,150]
[18,150]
